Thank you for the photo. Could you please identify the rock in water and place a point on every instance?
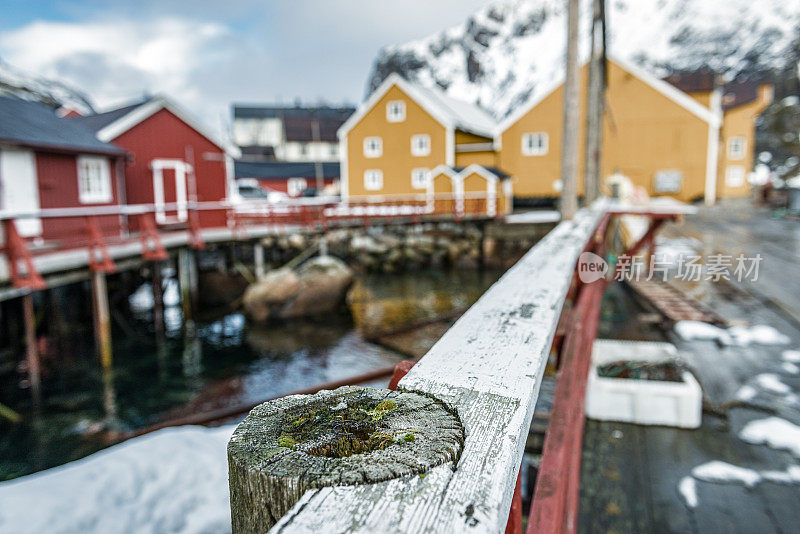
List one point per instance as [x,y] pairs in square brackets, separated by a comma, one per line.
[324,282]
[318,286]
[267,297]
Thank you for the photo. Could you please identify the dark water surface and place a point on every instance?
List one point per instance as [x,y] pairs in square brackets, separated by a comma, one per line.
[227,362]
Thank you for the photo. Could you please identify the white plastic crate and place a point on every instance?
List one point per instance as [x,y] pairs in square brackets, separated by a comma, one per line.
[644,402]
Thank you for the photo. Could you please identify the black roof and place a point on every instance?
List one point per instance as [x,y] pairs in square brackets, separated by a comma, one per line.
[278,170]
[303,124]
[98,121]
[33,124]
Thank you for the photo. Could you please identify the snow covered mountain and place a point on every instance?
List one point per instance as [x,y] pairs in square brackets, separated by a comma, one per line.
[49,92]
[513,48]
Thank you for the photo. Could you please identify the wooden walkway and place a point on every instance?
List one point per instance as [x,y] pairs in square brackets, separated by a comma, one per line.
[631,474]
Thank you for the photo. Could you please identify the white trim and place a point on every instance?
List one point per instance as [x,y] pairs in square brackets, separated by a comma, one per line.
[379,173]
[742,149]
[344,177]
[181,169]
[538,151]
[668,90]
[104,196]
[417,151]
[402,116]
[712,153]
[450,146]
[150,108]
[378,151]
[418,96]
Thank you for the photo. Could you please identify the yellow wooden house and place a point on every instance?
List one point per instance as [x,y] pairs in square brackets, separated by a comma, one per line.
[663,139]
[391,145]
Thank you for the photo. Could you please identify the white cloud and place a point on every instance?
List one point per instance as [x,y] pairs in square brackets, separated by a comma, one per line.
[118,61]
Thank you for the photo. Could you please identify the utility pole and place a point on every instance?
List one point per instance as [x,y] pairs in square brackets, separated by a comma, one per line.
[569,147]
[320,177]
[595,99]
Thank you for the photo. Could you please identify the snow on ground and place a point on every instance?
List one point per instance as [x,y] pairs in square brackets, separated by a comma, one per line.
[723,472]
[534,216]
[173,480]
[770,382]
[688,490]
[774,432]
[670,251]
[746,393]
[790,368]
[736,335]
[792,356]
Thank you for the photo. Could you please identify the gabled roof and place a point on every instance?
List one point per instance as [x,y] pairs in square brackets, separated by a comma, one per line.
[35,125]
[111,124]
[669,91]
[490,173]
[448,111]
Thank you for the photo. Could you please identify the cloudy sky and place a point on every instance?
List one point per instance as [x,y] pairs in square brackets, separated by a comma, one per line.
[209,53]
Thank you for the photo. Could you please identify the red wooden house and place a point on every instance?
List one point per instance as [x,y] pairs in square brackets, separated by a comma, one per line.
[173,159]
[46,162]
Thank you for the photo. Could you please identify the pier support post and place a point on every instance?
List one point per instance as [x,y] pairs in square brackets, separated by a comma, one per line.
[287,446]
[31,352]
[187,278]
[102,318]
[258,260]
[158,298]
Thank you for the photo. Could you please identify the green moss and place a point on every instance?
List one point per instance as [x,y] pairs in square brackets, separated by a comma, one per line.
[409,437]
[286,441]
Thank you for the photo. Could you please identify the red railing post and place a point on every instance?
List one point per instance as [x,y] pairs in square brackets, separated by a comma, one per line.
[152,248]
[97,246]
[195,236]
[16,251]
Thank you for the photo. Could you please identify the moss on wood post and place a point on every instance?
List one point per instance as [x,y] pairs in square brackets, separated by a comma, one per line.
[351,435]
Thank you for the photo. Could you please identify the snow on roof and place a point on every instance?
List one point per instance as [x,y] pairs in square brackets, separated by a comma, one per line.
[450,112]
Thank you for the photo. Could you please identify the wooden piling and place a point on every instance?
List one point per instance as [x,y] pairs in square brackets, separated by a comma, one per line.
[349,436]
[31,352]
[102,318]
[187,278]
[158,298]
[258,260]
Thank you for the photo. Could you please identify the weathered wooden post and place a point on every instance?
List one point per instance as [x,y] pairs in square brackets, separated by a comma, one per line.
[31,352]
[258,260]
[187,279]
[102,318]
[345,437]
[158,298]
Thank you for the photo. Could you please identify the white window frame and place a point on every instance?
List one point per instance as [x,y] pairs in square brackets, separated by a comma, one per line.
[295,186]
[420,150]
[181,169]
[668,181]
[535,149]
[732,170]
[395,111]
[373,179]
[737,146]
[425,173]
[371,151]
[94,187]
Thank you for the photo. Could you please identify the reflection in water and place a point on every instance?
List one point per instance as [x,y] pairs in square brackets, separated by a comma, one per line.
[220,363]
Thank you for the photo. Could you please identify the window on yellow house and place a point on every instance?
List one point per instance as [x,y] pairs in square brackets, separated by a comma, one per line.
[668,181]
[420,178]
[534,144]
[396,111]
[420,145]
[373,147]
[736,147]
[734,176]
[373,179]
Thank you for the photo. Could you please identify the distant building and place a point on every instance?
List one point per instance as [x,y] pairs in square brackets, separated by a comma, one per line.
[295,134]
[292,178]
[47,162]
[741,104]
[408,140]
[173,158]
[685,139]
